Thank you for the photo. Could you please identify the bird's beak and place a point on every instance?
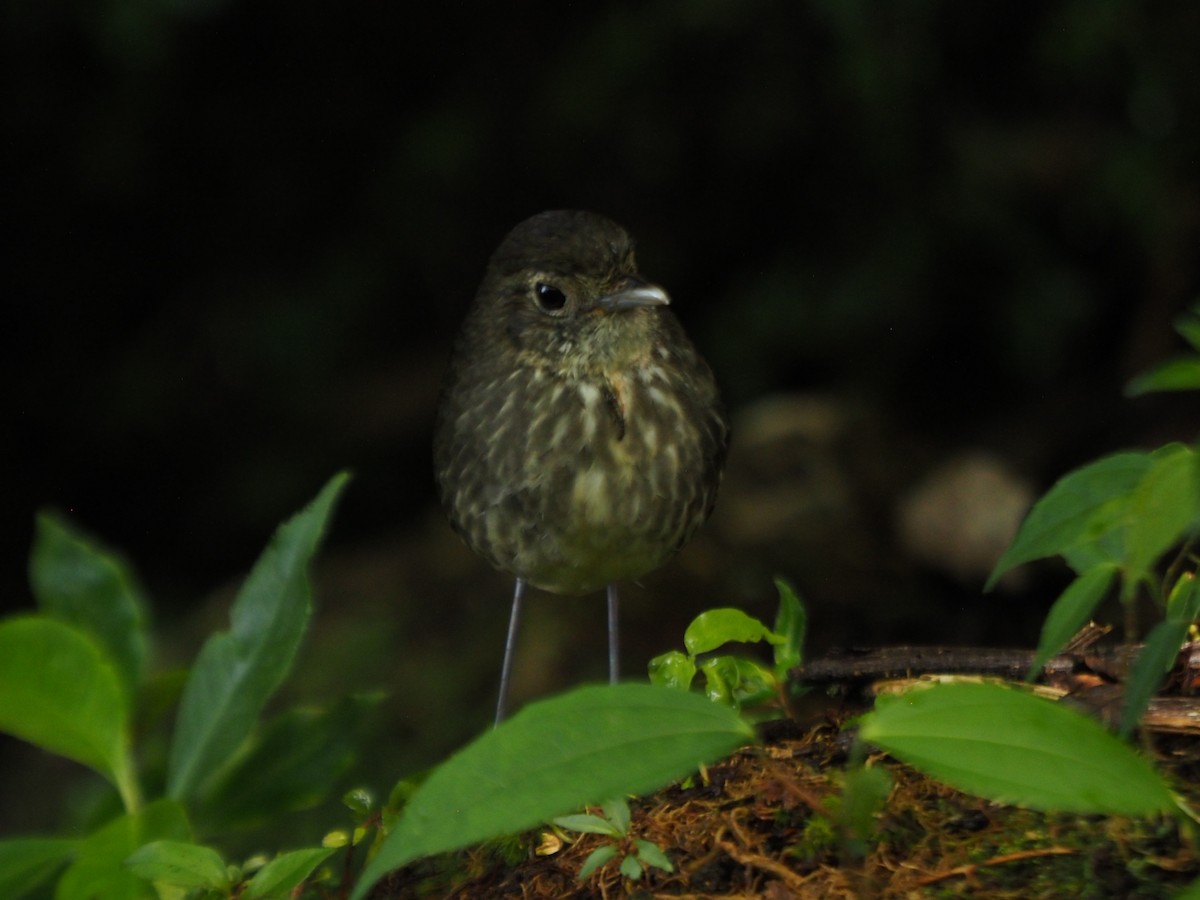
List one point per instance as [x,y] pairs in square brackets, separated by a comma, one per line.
[635,294]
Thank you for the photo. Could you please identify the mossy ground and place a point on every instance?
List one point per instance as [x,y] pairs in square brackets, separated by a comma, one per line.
[764,824]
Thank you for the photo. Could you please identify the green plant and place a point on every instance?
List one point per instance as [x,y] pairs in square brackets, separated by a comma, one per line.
[736,681]
[555,755]
[74,681]
[1127,520]
[636,853]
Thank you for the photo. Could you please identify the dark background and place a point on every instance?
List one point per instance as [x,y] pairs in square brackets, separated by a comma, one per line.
[241,236]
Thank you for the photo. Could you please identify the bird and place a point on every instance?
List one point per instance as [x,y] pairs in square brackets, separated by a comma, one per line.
[580,437]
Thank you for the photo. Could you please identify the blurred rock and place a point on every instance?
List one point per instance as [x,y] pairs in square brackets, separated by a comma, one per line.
[962,516]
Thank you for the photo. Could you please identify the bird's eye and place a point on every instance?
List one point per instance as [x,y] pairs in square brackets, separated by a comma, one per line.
[550,298]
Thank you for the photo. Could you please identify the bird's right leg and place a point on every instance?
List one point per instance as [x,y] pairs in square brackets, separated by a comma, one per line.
[510,644]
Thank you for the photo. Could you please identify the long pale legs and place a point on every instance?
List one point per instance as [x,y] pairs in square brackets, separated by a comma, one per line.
[510,644]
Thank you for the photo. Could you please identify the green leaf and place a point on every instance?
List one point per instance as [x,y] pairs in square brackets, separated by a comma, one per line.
[1183,604]
[279,877]
[27,862]
[672,669]
[294,765]
[1080,509]
[596,859]
[1013,747]
[77,582]
[651,855]
[1071,611]
[99,869]
[586,823]
[238,670]
[1156,658]
[737,682]
[180,864]
[1161,508]
[556,755]
[631,868]
[711,629]
[1179,374]
[864,793]
[58,691]
[617,812]
[791,623]
[1188,326]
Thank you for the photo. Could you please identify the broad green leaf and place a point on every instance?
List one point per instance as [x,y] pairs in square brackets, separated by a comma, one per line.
[1157,656]
[554,756]
[76,581]
[1071,611]
[586,823]
[791,623]
[1161,508]
[711,629]
[1180,374]
[238,670]
[296,762]
[596,859]
[672,669]
[180,864]
[1081,508]
[58,691]
[1013,747]
[279,877]
[99,869]
[27,862]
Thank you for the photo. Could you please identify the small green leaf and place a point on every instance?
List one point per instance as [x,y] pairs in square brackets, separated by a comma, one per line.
[359,801]
[631,868]
[720,673]
[737,682]
[27,862]
[79,583]
[238,670]
[1070,612]
[586,823]
[1080,509]
[1013,747]
[1179,374]
[180,864]
[596,859]
[791,623]
[1156,658]
[651,855]
[580,748]
[711,629]
[58,691]
[864,793]
[282,875]
[617,812]
[672,669]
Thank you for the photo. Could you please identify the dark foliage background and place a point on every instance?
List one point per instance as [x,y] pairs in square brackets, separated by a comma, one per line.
[241,235]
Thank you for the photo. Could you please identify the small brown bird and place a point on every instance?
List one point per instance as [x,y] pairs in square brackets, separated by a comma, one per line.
[579,437]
